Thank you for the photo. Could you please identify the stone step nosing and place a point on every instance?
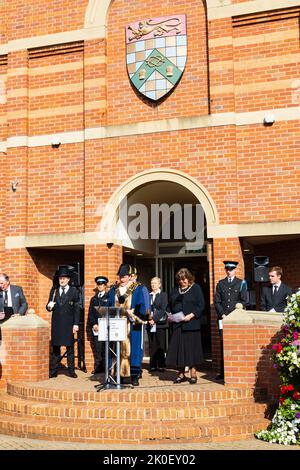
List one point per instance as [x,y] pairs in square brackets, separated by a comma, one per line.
[120,434]
[40,394]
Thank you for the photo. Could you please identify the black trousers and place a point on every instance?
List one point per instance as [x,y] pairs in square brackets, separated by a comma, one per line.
[99,354]
[157,343]
[55,358]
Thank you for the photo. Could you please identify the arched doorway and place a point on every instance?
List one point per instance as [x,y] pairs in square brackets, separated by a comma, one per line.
[160,218]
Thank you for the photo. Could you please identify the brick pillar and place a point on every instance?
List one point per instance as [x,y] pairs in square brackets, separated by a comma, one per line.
[248,340]
[222,249]
[25,349]
[98,259]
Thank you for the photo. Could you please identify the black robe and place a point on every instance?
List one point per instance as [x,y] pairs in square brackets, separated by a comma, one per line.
[65,314]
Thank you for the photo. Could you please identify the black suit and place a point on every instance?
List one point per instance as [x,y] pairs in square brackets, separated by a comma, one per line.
[276,301]
[19,304]
[97,301]
[157,339]
[65,314]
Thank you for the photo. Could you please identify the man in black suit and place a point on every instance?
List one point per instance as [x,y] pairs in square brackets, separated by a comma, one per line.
[100,299]
[64,303]
[12,299]
[274,297]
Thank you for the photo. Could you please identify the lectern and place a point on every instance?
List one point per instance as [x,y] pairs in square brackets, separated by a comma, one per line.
[112,328]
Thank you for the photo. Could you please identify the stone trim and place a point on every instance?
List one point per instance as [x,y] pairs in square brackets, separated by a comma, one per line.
[165,125]
[239,316]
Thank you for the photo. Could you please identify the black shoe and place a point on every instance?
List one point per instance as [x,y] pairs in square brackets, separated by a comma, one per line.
[161,369]
[52,374]
[193,380]
[72,374]
[94,378]
[220,377]
[135,381]
[153,369]
[179,380]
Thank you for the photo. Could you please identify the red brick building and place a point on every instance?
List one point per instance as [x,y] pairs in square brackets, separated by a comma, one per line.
[77,138]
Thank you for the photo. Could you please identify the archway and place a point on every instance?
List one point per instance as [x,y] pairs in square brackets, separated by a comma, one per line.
[97,11]
[159,247]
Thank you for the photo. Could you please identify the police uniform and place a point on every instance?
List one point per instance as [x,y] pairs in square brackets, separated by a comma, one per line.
[99,300]
[229,292]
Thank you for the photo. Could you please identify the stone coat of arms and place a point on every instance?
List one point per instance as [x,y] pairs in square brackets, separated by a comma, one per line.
[156,52]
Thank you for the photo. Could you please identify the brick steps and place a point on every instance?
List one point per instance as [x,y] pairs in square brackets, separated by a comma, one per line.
[148,415]
[130,397]
[88,413]
[152,433]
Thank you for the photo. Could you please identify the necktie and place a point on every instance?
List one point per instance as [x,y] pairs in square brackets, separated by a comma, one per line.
[230,280]
[63,292]
[275,289]
[5,299]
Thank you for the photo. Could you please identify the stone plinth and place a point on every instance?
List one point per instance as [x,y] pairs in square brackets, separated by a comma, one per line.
[24,349]
[248,339]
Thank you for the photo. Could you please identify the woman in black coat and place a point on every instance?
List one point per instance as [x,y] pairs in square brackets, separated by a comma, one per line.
[157,326]
[185,346]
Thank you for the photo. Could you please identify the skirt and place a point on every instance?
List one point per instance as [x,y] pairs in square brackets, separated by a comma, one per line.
[185,349]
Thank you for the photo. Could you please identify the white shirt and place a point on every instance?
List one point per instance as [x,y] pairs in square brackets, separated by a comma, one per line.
[122,289]
[153,295]
[276,285]
[9,303]
[61,289]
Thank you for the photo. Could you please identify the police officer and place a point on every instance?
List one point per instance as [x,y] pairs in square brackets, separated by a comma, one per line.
[100,299]
[229,292]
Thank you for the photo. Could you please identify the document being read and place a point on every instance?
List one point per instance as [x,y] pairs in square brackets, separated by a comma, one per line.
[176,317]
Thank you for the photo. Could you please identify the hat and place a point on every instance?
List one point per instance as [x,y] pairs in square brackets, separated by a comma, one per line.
[63,272]
[230,264]
[101,280]
[125,270]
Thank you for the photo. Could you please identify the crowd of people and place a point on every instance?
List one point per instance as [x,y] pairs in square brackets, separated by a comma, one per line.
[178,312]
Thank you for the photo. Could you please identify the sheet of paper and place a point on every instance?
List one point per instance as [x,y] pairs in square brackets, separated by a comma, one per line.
[176,317]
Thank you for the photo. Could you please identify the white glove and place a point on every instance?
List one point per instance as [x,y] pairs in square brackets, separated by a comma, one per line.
[51,305]
[75,327]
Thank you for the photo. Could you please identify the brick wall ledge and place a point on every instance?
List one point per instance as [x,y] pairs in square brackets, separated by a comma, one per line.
[25,322]
[239,316]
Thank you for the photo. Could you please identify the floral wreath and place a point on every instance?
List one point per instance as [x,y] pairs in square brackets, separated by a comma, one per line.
[285,425]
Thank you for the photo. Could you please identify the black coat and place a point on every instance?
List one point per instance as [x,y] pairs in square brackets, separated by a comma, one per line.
[277,301]
[228,295]
[159,308]
[65,315]
[97,301]
[191,302]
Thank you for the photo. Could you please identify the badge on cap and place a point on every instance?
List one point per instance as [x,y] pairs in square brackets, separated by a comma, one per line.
[230,264]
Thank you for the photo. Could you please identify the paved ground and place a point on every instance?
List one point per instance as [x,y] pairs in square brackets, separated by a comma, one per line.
[16,443]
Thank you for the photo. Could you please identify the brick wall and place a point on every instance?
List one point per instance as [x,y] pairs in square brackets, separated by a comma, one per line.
[244,64]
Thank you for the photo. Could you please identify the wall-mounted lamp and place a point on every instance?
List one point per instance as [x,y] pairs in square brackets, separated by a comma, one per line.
[109,245]
[14,185]
[269,119]
[55,142]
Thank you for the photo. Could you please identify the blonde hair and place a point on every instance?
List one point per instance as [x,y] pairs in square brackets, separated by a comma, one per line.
[156,279]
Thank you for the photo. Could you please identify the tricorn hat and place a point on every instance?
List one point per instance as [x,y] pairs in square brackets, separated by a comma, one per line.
[124,270]
[230,264]
[101,280]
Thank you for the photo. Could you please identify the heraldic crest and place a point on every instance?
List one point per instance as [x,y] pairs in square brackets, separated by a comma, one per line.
[156,52]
